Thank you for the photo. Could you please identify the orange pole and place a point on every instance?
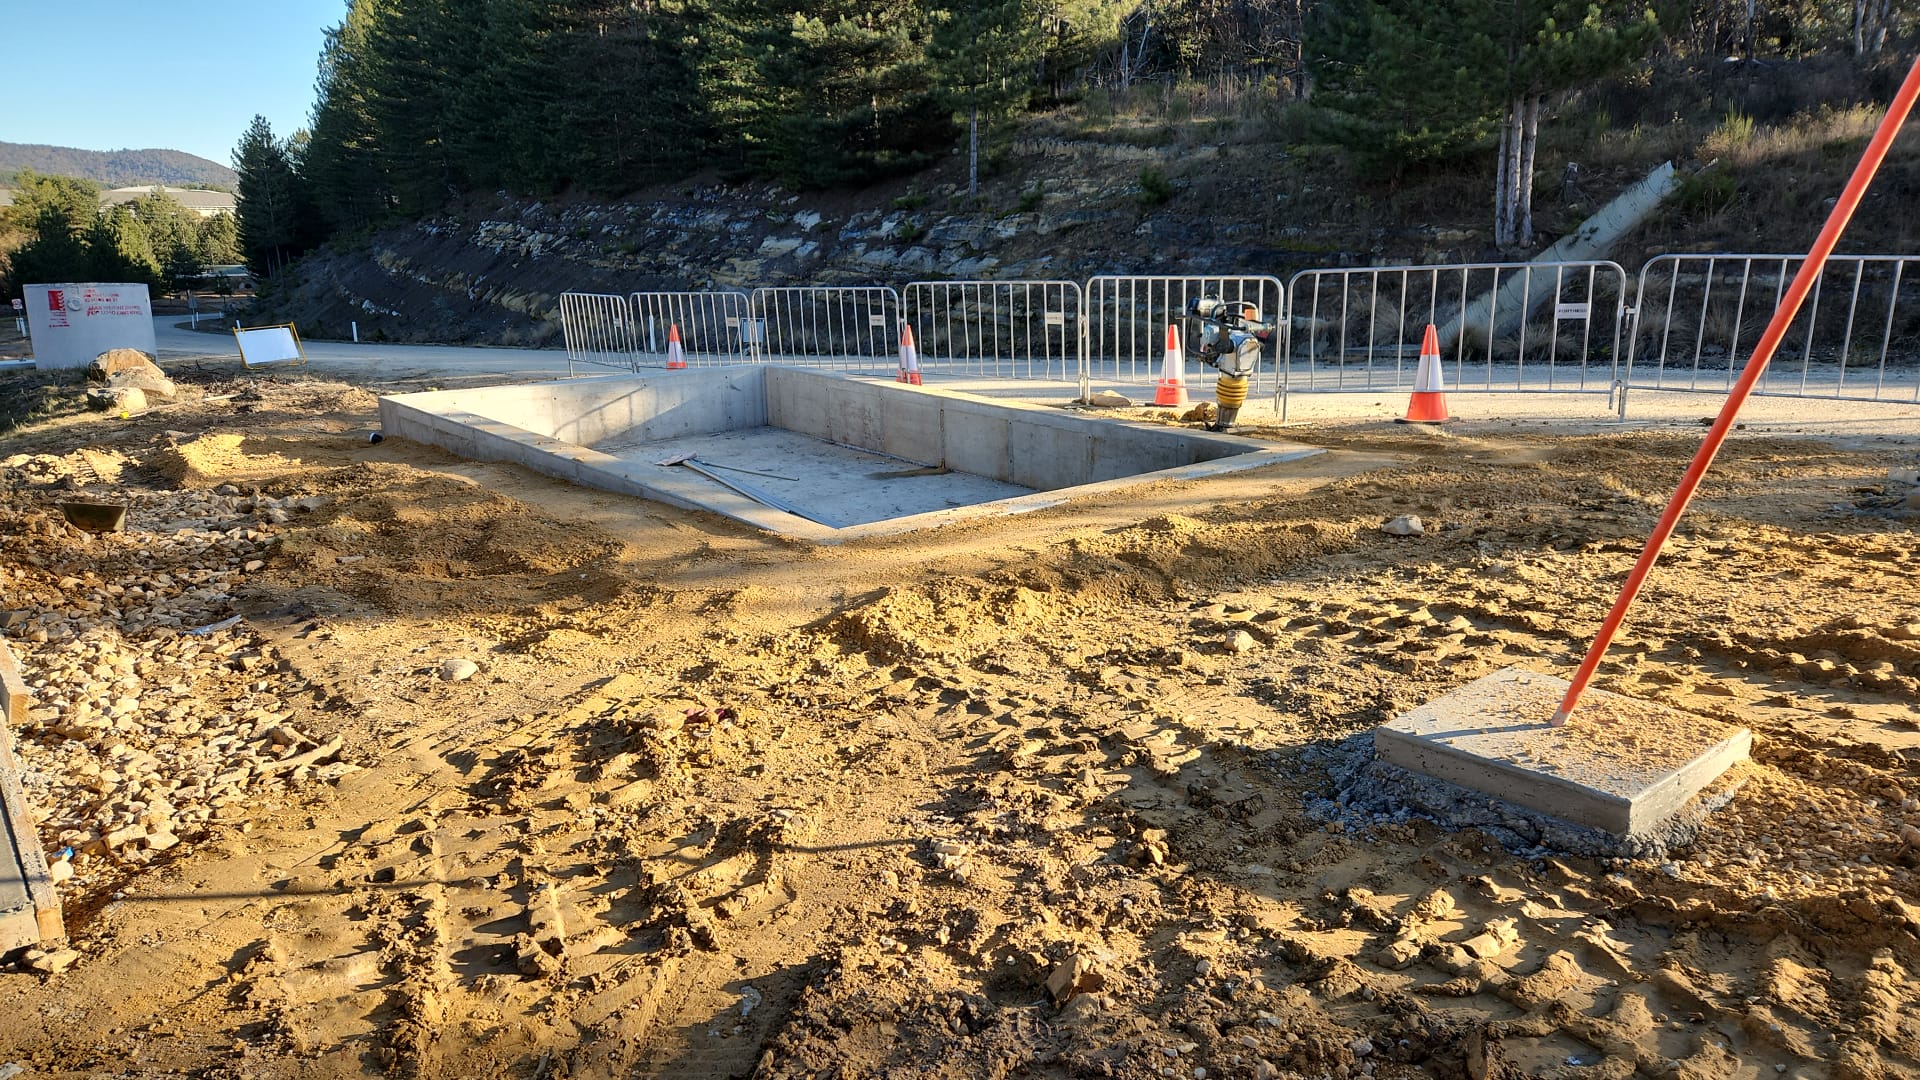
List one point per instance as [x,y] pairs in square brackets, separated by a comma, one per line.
[1783,317]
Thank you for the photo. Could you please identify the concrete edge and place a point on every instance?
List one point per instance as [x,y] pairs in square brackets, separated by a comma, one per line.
[45,922]
[1672,791]
[1543,792]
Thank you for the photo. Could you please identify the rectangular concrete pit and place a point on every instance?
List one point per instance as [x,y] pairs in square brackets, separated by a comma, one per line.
[996,458]
[1620,764]
[29,909]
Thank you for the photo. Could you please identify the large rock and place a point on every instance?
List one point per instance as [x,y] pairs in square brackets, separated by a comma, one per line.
[131,369]
[116,399]
[115,361]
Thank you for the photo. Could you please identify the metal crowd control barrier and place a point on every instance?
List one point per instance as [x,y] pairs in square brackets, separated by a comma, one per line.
[1127,318]
[598,329]
[998,329]
[1503,327]
[847,328]
[1699,317]
[715,327]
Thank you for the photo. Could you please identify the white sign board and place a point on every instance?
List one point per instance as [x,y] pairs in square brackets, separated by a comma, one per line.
[73,323]
[269,345]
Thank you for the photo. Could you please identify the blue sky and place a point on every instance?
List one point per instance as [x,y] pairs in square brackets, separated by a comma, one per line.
[173,74]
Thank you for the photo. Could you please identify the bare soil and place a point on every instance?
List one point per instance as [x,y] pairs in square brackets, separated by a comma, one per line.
[998,800]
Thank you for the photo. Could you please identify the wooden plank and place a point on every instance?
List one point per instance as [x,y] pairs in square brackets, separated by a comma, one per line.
[29,906]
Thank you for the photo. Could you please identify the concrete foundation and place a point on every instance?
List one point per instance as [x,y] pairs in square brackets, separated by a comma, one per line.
[29,910]
[984,457]
[1621,765]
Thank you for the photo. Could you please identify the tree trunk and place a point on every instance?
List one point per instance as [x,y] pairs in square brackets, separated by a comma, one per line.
[1500,188]
[1523,180]
[973,152]
[1510,181]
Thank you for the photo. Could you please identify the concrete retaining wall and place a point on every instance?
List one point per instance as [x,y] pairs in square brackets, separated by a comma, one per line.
[586,412]
[1030,445]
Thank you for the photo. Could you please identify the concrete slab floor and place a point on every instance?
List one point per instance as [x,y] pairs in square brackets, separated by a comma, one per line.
[1621,764]
[828,482]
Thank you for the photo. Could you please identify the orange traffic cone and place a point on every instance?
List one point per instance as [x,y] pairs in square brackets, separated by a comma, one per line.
[1172,391]
[909,359]
[1428,405]
[676,356]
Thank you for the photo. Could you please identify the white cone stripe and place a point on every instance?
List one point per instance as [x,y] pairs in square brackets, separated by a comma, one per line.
[1426,377]
[1173,368]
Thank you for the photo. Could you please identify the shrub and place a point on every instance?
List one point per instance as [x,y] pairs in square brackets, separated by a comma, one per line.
[1734,133]
[1707,193]
[1155,188]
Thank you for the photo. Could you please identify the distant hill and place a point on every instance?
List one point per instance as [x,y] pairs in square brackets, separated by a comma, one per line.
[115,168]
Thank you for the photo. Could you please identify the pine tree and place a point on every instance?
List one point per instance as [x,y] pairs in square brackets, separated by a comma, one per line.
[343,168]
[268,201]
[118,249]
[1416,80]
[984,55]
[410,45]
[818,95]
[218,243]
[56,213]
[632,113]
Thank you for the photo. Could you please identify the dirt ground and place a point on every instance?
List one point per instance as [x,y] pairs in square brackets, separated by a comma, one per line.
[1013,798]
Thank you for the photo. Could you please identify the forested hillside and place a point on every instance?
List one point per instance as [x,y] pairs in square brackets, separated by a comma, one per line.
[422,103]
[114,168]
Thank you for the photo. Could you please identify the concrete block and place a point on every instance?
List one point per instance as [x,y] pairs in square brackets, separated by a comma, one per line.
[1621,764]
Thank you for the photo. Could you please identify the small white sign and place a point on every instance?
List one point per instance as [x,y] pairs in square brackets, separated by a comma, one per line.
[1056,318]
[876,320]
[1563,312]
[269,345]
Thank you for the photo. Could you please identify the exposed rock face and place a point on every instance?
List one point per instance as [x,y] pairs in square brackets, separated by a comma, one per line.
[492,270]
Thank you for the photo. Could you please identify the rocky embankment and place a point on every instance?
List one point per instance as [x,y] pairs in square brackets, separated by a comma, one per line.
[492,271]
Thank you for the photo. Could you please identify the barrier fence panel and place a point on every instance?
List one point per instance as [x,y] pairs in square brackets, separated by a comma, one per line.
[1127,319]
[848,328]
[1699,317]
[1502,327]
[997,329]
[598,329]
[715,327]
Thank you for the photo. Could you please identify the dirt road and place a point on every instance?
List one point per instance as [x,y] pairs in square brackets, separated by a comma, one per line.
[1047,796]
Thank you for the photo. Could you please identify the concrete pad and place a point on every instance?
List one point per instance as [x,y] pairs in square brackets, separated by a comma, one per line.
[29,910]
[1621,765]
